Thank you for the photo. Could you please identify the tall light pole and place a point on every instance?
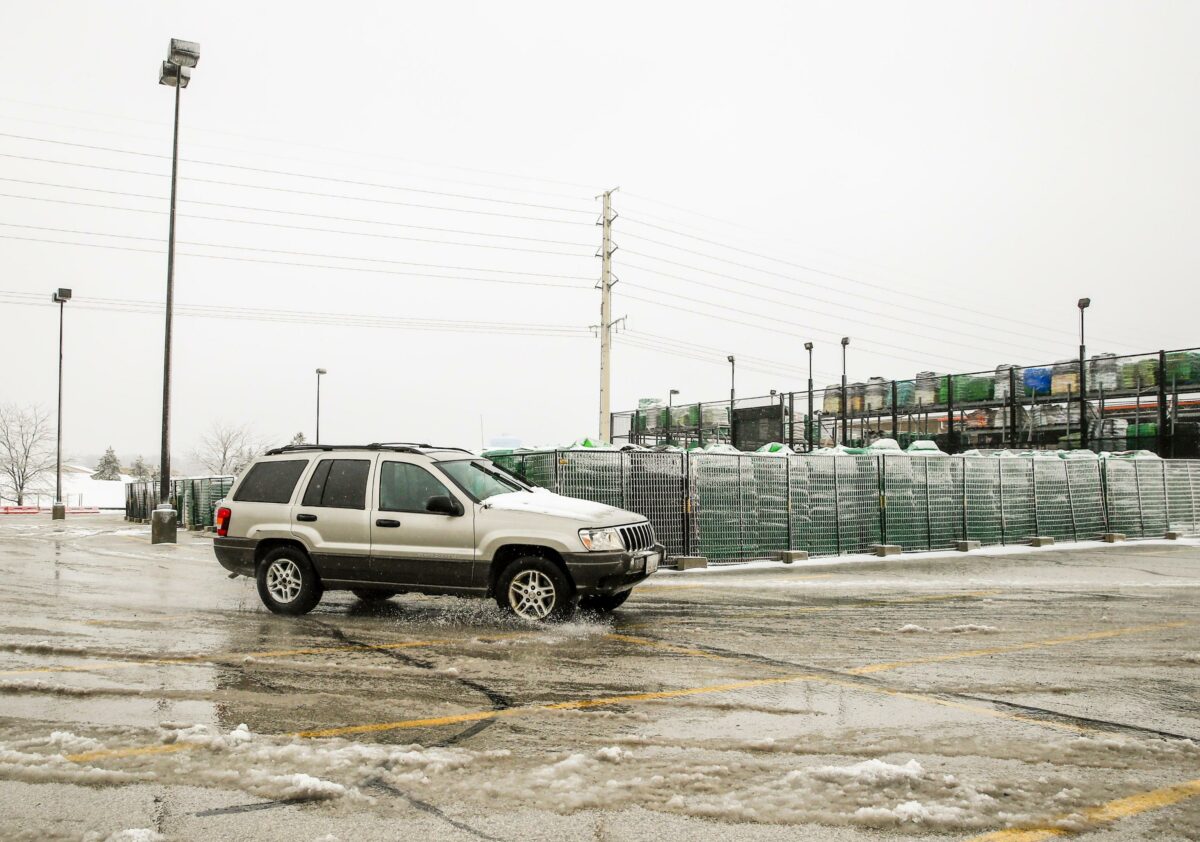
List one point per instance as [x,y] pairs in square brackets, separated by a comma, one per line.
[59,510]
[176,72]
[670,403]
[845,405]
[808,431]
[1084,303]
[732,393]
[320,371]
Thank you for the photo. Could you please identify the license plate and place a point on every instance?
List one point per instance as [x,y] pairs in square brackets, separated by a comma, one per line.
[652,561]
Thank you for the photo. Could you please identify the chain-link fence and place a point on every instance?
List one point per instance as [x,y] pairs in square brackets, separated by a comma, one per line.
[737,506]
[732,507]
[194,499]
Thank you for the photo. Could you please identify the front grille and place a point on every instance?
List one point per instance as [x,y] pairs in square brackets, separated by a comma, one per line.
[640,536]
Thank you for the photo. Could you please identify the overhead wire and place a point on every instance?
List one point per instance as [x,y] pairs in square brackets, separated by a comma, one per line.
[304,317]
[275,142]
[292,191]
[839,276]
[293,264]
[293,174]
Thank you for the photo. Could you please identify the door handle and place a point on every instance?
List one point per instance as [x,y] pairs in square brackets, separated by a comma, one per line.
[307,518]
[387,524]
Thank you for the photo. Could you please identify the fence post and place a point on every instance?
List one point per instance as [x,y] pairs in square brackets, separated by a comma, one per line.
[1166,496]
[1071,498]
[1000,478]
[837,506]
[686,502]
[895,420]
[950,442]
[1137,481]
[791,436]
[963,461]
[928,514]
[1102,478]
[882,489]
[1012,407]
[1037,522]
[1162,404]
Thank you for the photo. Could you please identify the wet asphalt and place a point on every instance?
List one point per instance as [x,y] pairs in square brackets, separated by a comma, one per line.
[925,697]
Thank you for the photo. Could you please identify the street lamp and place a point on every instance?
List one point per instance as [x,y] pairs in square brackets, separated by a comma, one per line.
[59,511]
[845,406]
[1084,303]
[670,402]
[176,72]
[732,380]
[320,371]
[808,431]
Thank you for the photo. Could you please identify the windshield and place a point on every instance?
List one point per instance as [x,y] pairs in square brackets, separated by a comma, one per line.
[479,479]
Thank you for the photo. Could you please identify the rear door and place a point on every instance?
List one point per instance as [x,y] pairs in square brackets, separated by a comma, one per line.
[411,546]
[333,517]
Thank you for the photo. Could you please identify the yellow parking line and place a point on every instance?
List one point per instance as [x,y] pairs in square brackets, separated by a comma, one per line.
[1103,814]
[629,698]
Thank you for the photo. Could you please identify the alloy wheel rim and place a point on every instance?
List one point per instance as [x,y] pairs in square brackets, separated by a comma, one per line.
[532,595]
[284,580]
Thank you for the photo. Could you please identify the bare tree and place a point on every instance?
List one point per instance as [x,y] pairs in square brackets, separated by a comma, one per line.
[227,449]
[26,449]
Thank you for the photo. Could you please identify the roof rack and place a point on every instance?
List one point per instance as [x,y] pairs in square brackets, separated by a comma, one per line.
[394,447]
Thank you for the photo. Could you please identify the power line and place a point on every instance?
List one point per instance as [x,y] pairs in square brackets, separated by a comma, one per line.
[363,269]
[291,191]
[806,309]
[277,141]
[622,340]
[274,210]
[275,155]
[709,241]
[727,320]
[789,278]
[290,174]
[310,228]
[306,318]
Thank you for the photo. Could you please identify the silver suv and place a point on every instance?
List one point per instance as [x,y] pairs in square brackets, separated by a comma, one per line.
[383,519]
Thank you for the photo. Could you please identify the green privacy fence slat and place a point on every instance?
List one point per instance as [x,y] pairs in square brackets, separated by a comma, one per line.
[1020,518]
[859,517]
[944,486]
[905,503]
[655,485]
[1152,489]
[1183,496]
[983,503]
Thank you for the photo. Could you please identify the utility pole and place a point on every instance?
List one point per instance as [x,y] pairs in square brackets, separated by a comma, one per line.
[606,320]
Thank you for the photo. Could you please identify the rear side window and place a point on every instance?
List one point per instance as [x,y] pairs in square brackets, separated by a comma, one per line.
[339,484]
[407,488]
[271,482]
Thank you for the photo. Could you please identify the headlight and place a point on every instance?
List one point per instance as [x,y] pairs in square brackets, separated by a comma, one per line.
[601,540]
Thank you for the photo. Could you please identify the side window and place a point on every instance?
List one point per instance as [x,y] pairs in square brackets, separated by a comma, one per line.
[339,484]
[407,488]
[271,482]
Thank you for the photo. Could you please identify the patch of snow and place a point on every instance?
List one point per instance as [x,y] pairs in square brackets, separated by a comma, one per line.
[969,628]
[912,628]
[870,772]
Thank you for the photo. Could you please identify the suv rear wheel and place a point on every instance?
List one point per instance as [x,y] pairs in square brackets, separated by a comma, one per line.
[287,582]
[604,603]
[534,588]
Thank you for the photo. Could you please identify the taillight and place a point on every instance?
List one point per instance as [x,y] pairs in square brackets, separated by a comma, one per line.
[223,515]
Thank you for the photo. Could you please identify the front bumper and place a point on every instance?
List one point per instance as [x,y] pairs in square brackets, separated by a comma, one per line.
[611,572]
[236,554]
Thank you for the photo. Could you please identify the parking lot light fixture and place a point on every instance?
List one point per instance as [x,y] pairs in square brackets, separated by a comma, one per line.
[59,510]
[175,72]
[320,371]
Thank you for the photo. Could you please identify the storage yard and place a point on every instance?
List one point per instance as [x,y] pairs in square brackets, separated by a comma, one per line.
[941,696]
[1140,402]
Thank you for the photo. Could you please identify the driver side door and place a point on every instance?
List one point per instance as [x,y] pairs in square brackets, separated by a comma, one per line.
[412,546]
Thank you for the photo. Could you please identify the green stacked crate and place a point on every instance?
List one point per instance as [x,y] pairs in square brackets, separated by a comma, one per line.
[1143,371]
[1183,369]
[906,394]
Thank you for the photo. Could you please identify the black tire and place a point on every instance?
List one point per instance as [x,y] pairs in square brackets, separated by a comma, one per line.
[286,566]
[536,572]
[369,595]
[604,603]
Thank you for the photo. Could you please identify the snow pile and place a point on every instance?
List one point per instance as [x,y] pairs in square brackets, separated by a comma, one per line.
[871,772]
[968,628]
[911,628]
[136,834]
[1192,658]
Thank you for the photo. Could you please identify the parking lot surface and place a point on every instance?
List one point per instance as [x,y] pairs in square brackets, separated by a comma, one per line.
[927,697]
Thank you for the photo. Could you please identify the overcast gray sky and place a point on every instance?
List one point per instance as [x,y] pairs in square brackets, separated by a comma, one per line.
[940,181]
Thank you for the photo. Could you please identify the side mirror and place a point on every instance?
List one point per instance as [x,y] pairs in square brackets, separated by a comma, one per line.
[443,505]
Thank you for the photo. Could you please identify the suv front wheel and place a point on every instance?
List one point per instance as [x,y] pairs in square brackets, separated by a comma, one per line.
[534,588]
[287,582]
